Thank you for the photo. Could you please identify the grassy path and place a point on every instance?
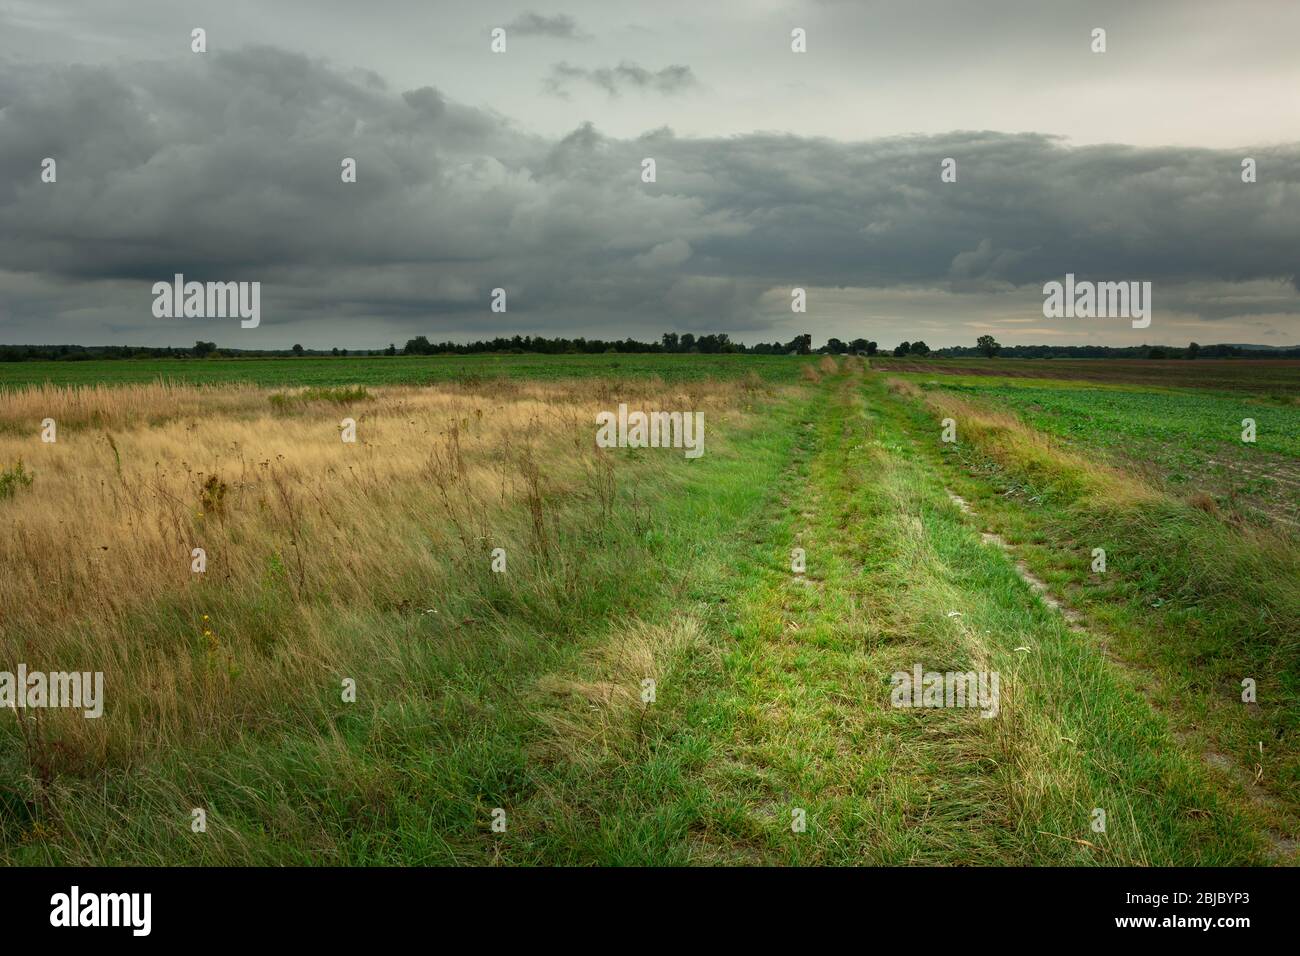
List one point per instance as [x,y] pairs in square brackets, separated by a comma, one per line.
[780,702]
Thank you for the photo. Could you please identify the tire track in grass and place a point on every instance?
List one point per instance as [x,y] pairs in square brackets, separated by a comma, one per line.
[809,679]
[1138,645]
[896,577]
[614,777]
[889,561]
[1121,755]
[1281,847]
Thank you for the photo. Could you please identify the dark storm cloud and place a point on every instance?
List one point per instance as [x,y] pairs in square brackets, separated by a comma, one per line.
[226,167]
[561,25]
[618,79]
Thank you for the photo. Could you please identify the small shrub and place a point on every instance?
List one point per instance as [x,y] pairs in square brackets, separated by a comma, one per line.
[212,497]
[14,478]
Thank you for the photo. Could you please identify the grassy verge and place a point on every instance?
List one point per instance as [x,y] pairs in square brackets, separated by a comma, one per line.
[1190,602]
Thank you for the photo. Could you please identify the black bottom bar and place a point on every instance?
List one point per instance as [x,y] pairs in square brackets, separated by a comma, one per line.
[944,906]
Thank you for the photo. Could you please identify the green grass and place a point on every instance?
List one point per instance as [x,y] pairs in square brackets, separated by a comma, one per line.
[1190,604]
[890,560]
[1188,440]
[1190,422]
[398,369]
[772,689]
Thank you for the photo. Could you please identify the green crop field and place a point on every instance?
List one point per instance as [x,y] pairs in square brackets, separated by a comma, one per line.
[476,636]
[1190,439]
[392,369]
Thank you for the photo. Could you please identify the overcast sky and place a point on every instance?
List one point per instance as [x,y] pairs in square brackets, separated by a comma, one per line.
[522,169]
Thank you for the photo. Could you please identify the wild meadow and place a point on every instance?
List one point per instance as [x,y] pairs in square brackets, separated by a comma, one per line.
[472,636]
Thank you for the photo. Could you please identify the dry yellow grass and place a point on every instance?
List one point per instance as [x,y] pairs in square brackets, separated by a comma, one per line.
[829,365]
[141,475]
[901,386]
[117,406]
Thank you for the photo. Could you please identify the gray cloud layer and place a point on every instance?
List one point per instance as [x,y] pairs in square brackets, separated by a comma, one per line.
[226,167]
[561,26]
[618,79]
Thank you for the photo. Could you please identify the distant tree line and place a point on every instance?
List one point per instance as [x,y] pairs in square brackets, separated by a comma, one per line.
[991,348]
[669,342]
[82,353]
